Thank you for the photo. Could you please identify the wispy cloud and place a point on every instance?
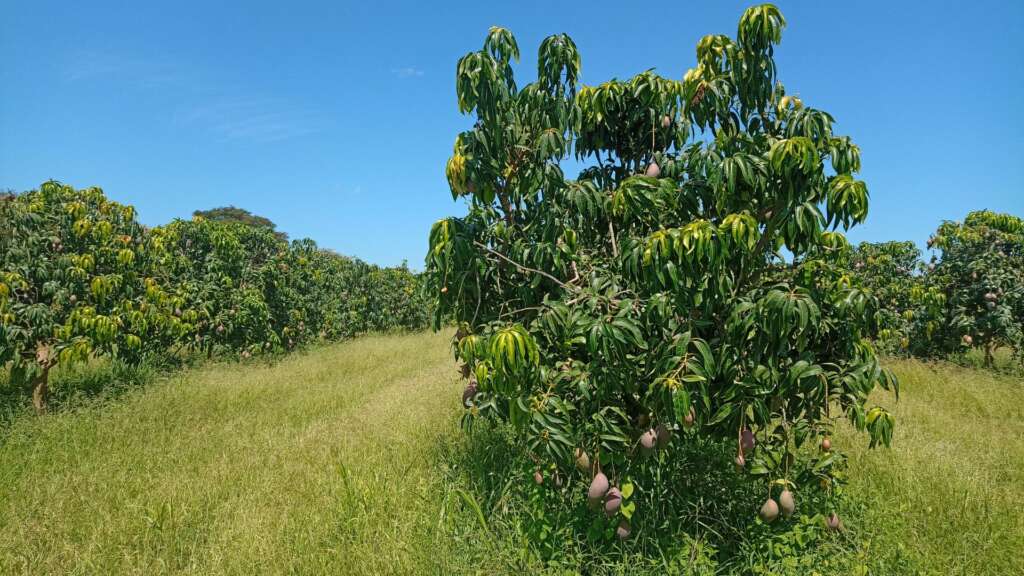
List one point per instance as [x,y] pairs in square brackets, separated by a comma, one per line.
[407,72]
[229,113]
[345,189]
[253,119]
[84,65]
[84,68]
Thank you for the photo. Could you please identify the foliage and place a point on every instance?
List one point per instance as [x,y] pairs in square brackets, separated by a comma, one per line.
[981,275]
[241,215]
[80,277]
[650,292]
[909,310]
[969,297]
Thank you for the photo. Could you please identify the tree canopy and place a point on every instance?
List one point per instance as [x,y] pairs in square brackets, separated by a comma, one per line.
[241,215]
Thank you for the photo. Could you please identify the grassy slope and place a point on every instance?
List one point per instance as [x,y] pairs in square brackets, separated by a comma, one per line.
[948,494]
[339,461]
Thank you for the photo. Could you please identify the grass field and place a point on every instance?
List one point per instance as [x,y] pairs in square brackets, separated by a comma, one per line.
[348,459]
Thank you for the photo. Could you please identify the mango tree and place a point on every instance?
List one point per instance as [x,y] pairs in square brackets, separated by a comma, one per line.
[980,272]
[908,309]
[219,270]
[245,290]
[394,299]
[77,279]
[611,316]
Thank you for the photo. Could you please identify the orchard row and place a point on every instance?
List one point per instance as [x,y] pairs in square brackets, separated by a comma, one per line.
[970,295]
[81,277]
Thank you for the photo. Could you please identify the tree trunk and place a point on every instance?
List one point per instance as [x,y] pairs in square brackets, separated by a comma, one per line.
[40,391]
[989,354]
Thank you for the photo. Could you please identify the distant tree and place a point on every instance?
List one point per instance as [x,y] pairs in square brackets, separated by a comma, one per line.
[888,270]
[981,274]
[235,214]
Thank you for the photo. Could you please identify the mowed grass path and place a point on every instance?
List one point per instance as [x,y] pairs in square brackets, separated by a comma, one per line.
[319,464]
[340,460]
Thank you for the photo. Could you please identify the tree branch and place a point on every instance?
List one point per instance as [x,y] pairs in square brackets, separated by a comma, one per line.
[514,312]
[524,268]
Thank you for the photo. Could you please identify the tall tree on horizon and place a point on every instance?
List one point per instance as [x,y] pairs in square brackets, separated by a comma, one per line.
[236,214]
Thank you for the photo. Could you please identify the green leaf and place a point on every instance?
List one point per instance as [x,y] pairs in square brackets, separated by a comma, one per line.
[723,412]
[627,489]
[681,404]
[627,509]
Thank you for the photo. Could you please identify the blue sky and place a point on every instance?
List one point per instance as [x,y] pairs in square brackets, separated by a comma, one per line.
[334,119]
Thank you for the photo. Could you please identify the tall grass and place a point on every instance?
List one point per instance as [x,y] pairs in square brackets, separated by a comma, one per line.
[946,499]
[322,463]
[348,459]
